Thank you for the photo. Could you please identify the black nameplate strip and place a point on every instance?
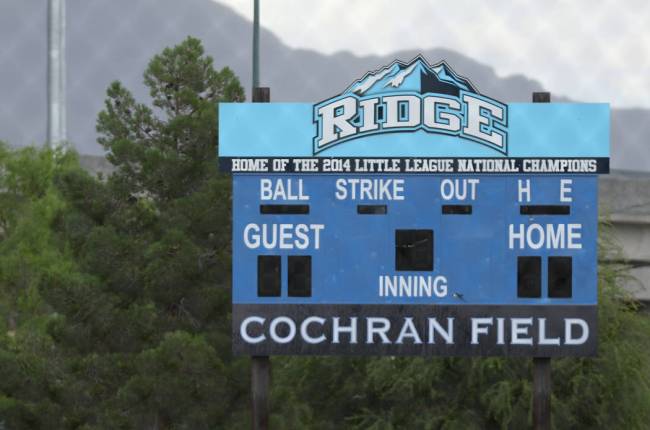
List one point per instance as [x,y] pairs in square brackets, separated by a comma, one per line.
[416,165]
[284,209]
[545,210]
[428,330]
[372,209]
[456,209]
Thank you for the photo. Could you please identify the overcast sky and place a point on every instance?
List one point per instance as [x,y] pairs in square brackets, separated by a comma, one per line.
[589,50]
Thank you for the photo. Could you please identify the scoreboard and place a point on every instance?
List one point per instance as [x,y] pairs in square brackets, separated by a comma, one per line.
[421,241]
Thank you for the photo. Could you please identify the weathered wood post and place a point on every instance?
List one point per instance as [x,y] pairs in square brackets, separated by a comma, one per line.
[261,365]
[542,365]
[260,382]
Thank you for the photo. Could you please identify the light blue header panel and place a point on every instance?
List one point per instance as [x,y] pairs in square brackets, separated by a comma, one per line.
[534,130]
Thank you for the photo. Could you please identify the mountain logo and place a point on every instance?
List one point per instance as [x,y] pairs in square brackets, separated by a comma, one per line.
[407,97]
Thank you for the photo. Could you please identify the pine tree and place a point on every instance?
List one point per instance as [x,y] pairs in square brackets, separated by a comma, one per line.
[151,325]
[32,375]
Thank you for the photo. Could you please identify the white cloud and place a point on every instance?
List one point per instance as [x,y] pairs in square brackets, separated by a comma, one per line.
[588,50]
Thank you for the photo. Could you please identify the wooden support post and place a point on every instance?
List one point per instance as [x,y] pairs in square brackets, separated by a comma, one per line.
[261,95]
[542,365]
[260,365]
[542,97]
[260,382]
[542,393]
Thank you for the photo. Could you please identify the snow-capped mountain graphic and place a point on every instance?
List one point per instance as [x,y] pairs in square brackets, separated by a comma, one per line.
[416,75]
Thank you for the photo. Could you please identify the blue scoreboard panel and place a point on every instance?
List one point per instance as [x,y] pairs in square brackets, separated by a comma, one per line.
[418,241]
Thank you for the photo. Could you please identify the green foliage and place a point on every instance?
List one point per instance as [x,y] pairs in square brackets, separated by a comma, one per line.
[115,301]
[170,155]
[178,384]
[31,377]
[125,280]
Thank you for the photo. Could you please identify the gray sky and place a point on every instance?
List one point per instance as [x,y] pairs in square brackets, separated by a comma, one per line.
[590,50]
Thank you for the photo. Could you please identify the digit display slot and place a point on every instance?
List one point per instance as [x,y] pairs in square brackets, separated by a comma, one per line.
[414,250]
[284,209]
[529,277]
[545,210]
[456,209]
[268,276]
[299,273]
[372,209]
[559,277]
